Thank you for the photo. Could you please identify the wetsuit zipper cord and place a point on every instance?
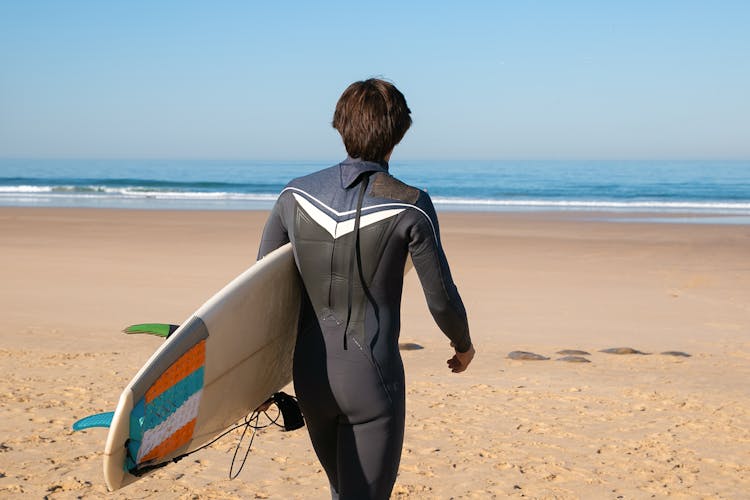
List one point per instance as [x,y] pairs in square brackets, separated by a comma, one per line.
[355,257]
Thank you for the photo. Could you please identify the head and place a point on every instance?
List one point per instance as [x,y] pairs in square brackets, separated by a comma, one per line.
[372,117]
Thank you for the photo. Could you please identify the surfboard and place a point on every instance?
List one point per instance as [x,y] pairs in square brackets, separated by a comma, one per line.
[219,365]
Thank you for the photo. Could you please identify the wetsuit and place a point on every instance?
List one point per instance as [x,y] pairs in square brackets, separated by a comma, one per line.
[352,227]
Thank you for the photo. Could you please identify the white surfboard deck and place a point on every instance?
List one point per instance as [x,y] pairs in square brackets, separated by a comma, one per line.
[222,363]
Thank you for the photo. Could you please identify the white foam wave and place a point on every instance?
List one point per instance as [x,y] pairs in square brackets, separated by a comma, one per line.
[91,193]
[25,189]
[129,192]
[194,195]
[597,204]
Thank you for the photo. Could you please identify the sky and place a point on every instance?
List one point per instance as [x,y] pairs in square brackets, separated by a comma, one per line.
[496,79]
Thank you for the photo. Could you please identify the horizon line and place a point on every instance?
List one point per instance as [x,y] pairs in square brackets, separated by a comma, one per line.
[394,161]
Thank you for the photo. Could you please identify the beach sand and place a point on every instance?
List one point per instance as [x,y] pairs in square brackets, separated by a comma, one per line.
[621,426]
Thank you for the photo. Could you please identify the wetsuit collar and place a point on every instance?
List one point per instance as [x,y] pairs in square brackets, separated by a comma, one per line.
[353,168]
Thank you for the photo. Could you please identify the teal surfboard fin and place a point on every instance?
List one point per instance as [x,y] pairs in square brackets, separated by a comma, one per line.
[98,420]
[158,329]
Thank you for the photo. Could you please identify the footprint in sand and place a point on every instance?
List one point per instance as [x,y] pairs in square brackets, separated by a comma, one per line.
[573,352]
[526,356]
[623,350]
[574,359]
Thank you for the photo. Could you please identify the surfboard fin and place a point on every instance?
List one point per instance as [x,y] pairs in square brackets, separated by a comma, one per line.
[158,329]
[97,420]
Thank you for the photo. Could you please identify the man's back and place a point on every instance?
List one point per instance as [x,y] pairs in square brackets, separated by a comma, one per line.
[356,285]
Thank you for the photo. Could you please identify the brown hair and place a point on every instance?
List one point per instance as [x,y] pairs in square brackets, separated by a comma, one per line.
[372,117]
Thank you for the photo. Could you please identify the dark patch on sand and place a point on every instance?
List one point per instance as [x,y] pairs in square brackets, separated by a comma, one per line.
[526,356]
[623,350]
[574,359]
[409,346]
[573,352]
[676,353]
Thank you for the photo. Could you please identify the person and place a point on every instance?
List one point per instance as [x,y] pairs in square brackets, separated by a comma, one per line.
[352,227]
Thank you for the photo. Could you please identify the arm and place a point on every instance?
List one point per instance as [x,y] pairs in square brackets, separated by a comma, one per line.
[274,233]
[441,293]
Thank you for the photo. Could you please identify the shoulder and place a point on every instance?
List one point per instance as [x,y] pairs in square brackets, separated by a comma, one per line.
[421,216]
[312,185]
[387,187]
[314,179]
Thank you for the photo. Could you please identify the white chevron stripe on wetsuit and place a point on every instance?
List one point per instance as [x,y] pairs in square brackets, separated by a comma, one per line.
[369,208]
[339,229]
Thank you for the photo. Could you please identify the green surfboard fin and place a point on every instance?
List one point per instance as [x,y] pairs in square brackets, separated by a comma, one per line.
[158,329]
[98,420]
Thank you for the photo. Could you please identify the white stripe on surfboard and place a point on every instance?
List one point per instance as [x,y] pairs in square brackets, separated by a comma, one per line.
[177,420]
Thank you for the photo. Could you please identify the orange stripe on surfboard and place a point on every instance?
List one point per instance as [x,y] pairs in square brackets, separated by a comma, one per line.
[180,438]
[184,366]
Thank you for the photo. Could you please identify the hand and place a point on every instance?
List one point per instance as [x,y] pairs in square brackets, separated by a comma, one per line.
[460,361]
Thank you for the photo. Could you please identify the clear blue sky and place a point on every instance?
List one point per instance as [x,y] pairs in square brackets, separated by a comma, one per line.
[259,80]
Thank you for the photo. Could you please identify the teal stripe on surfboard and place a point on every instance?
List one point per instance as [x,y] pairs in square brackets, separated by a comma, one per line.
[158,329]
[158,410]
[136,434]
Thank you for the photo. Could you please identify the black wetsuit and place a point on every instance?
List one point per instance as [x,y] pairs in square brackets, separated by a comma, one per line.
[348,373]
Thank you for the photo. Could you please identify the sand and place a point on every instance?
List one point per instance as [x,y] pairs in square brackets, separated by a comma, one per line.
[621,426]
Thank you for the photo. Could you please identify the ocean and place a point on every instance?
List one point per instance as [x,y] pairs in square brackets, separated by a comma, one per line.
[668,187]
